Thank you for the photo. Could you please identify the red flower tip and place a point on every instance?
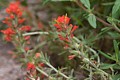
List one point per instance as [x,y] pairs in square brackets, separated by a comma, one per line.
[74,28]
[20,21]
[37,55]
[8,33]
[63,19]
[27,37]
[71,57]
[12,16]
[41,65]
[8,38]
[27,48]
[30,66]
[25,28]
[58,27]
[13,8]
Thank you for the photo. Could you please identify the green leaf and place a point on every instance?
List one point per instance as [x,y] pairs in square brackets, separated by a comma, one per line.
[116,66]
[62,0]
[24,3]
[45,1]
[115,8]
[116,77]
[105,29]
[116,50]
[86,3]
[92,20]
[106,66]
[114,35]
[105,55]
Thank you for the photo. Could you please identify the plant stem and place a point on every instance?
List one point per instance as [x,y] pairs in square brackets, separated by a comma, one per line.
[44,73]
[99,19]
[57,70]
[34,33]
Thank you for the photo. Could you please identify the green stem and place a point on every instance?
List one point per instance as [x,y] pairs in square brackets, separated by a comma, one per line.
[34,33]
[57,70]
[44,73]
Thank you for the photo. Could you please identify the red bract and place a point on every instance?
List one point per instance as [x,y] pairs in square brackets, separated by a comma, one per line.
[63,19]
[71,57]
[25,28]
[30,66]
[41,64]
[63,38]
[27,37]
[7,21]
[37,55]
[66,30]
[59,28]
[8,38]
[8,31]
[12,16]
[27,48]
[14,9]
[20,21]
[74,28]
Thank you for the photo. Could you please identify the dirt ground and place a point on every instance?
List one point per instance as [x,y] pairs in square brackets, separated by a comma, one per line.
[9,68]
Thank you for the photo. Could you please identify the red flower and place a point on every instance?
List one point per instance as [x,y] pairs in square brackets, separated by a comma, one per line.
[20,21]
[41,64]
[62,26]
[74,28]
[30,66]
[14,9]
[7,21]
[8,38]
[63,19]
[27,37]
[71,57]
[12,16]
[25,28]
[37,55]
[27,48]
[8,34]
[58,27]
[8,31]
[63,38]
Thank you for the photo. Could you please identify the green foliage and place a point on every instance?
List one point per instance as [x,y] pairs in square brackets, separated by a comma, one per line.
[92,20]
[116,9]
[86,3]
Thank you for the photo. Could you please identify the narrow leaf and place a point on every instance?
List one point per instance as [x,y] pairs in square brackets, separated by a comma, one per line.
[105,55]
[116,49]
[106,66]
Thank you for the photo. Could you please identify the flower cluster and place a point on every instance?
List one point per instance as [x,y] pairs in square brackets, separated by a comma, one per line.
[14,9]
[8,33]
[13,20]
[64,28]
